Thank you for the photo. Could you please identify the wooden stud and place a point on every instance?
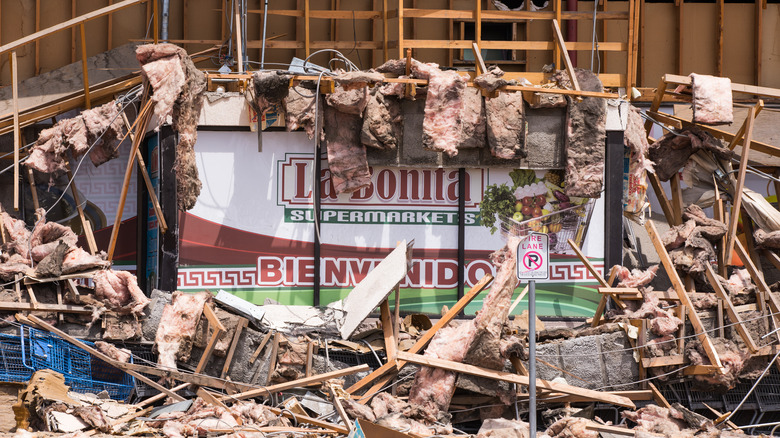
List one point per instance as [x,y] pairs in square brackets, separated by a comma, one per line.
[306,30]
[242,322]
[721,26]
[144,117]
[309,420]
[72,32]
[739,137]
[518,299]
[385,54]
[85,224]
[759,30]
[763,288]
[680,20]
[309,358]
[33,189]
[749,228]
[388,330]
[274,353]
[84,68]
[239,49]
[660,194]
[397,316]
[300,383]
[556,48]
[33,299]
[110,28]
[479,62]
[731,236]
[677,201]
[161,222]
[596,274]
[658,397]
[400,28]
[339,408]
[719,215]
[730,311]
[698,327]
[104,358]
[599,311]
[513,378]
[17,133]
[561,43]
[206,356]
[37,43]
[260,347]
[656,104]
[630,53]
[424,339]
[477,23]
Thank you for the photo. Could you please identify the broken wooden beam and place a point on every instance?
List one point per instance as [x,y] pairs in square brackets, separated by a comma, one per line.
[514,378]
[732,313]
[682,294]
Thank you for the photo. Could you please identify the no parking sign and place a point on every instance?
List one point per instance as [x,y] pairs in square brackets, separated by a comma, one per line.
[533,257]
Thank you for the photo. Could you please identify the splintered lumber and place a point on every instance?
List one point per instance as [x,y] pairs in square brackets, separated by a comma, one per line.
[514,378]
[242,322]
[302,419]
[306,381]
[387,330]
[17,133]
[104,358]
[755,275]
[658,397]
[562,47]
[596,274]
[44,307]
[518,299]
[737,203]
[682,294]
[730,311]
[339,408]
[424,339]
[260,347]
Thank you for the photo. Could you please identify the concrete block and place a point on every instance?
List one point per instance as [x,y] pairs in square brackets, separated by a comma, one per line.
[412,152]
[618,363]
[154,313]
[544,140]
[549,353]
[581,357]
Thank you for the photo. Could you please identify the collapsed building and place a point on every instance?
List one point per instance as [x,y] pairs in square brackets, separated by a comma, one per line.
[250,295]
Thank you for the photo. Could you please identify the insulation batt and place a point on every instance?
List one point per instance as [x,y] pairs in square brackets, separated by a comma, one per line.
[571,427]
[347,159]
[586,123]
[270,88]
[712,103]
[15,264]
[635,139]
[110,350]
[670,153]
[358,79]
[104,131]
[656,419]
[177,327]
[663,322]
[383,120]
[17,235]
[767,240]
[77,260]
[433,387]
[472,120]
[506,125]
[444,103]
[299,110]
[636,277]
[731,357]
[493,79]
[178,91]
[47,235]
[120,292]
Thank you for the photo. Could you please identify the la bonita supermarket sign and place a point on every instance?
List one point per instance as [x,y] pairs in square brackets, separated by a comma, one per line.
[395,196]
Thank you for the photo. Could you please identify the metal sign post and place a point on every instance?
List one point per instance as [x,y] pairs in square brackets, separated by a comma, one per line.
[533,259]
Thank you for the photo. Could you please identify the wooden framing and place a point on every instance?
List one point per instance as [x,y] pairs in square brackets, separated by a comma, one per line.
[732,313]
[514,378]
[682,294]
[242,323]
[17,133]
[737,202]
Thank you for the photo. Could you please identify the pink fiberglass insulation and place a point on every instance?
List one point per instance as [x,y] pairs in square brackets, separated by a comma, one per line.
[347,160]
[177,326]
[656,419]
[678,235]
[349,101]
[299,110]
[571,427]
[104,131]
[472,120]
[767,240]
[119,291]
[75,134]
[47,235]
[433,387]
[12,265]
[586,133]
[17,236]
[712,102]
[662,322]
[506,125]
[383,120]
[161,64]
[443,108]
[731,357]
[636,277]
[110,350]
[77,260]
[48,153]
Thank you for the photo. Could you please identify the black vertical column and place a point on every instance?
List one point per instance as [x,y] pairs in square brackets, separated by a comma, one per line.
[613,200]
[141,230]
[461,231]
[317,205]
[168,257]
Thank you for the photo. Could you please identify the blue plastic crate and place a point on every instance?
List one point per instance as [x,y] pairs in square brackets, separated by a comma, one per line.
[82,372]
[12,364]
